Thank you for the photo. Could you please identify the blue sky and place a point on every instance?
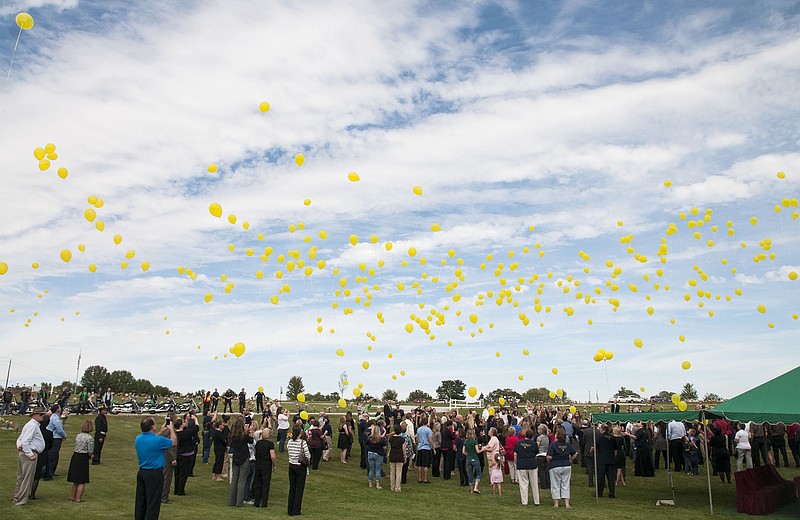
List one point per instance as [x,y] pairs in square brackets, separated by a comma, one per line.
[568,117]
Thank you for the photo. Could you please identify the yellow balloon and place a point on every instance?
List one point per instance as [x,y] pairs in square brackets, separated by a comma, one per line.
[365,365]
[686,365]
[299,159]
[24,21]
[436,228]
[412,251]
[215,209]
[92,268]
[208,297]
[417,190]
[682,406]
[301,397]
[3,268]
[66,255]
[409,328]
[44,164]
[339,352]
[792,276]
[650,311]
[641,389]
[35,265]
[552,394]
[554,371]
[117,239]
[675,398]
[130,254]
[608,355]
[473,318]
[638,343]
[342,403]
[762,308]
[353,177]
[357,392]
[353,240]
[502,401]
[238,349]
[572,409]
[90,214]
[81,248]
[100,225]
[263,107]
[232,218]
[49,148]
[559,392]
[62,172]
[525,352]
[491,410]
[472,391]
[260,388]
[145,266]
[212,168]
[39,153]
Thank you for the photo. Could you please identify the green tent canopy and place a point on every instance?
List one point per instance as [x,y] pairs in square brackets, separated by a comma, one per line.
[668,416]
[777,400]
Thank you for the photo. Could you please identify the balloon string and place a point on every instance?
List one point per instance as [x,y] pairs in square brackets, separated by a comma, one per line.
[13,53]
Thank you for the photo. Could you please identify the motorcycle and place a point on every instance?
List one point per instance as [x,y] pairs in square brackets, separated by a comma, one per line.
[126,407]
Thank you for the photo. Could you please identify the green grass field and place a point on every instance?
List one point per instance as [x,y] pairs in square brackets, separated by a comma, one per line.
[337,491]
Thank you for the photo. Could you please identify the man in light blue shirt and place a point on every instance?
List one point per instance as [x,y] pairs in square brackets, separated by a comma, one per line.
[150,479]
[424,435]
[57,427]
[676,431]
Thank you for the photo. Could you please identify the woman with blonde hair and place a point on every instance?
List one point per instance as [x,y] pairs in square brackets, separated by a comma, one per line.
[543,443]
[376,449]
[343,442]
[78,472]
[265,465]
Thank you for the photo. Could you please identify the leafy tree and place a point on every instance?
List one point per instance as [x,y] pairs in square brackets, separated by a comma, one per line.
[121,381]
[389,395]
[294,387]
[625,392]
[451,389]
[665,394]
[507,393]
[536,394]
[143,386]
[419,395]
[689,393]
[161,390]
[95,378]
[712,397]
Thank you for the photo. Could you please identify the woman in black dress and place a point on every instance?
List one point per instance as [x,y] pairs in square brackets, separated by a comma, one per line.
[220,437]
[718,444]
[342,441]
[265,464]
[642,437]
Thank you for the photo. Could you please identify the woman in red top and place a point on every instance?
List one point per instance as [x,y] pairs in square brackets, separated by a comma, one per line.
[511,442]
[315,436]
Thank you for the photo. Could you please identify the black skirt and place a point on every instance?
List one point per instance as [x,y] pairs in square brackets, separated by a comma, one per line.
[78,469]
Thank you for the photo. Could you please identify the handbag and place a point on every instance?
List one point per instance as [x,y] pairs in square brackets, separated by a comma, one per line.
[301,458]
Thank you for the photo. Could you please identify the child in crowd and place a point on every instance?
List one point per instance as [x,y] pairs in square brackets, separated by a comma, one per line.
[496,474]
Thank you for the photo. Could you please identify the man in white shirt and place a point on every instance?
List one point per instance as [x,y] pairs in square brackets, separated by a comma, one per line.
[676,431]
[29,444]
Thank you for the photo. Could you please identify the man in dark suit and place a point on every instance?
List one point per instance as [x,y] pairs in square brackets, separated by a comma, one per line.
[387,414]
[615,407]
[100,432]
[606,465]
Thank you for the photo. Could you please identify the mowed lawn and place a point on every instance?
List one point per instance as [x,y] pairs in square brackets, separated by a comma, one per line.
[337,490]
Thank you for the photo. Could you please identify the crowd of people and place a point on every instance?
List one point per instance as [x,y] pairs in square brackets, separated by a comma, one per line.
[535,447]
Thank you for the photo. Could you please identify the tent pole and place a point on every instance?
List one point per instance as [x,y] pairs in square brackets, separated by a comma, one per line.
[708,459]
[669,463]
[594,458]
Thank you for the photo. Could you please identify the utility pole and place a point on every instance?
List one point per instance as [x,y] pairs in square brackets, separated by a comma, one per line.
[8,374]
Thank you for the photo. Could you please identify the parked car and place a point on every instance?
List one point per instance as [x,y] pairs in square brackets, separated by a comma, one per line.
[658,399]
[626,399]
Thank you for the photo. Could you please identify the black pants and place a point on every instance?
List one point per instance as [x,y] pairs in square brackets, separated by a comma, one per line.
[588,460]
[795,447]
[227,406]
[206,407]
[52,458]
[241,406]
[437,459]
[606,473]
[461,464]
[214,406]
[676,453]
[778,448]
[194,460]
[759,450]
[404,473]
[449,463]
[297,483]
[182,469]
[316,455]
[259,406]
[659,454]
[544,472]
[261,482]
[99,440]
[363,462]
[149,483]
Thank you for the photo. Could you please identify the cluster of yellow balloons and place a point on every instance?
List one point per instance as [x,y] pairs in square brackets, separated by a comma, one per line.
[48,153]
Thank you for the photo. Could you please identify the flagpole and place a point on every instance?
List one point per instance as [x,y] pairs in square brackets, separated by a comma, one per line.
[77,371]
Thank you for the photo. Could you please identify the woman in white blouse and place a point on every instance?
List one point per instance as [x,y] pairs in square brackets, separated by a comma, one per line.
[297,471]
[283,428]
[78,472]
